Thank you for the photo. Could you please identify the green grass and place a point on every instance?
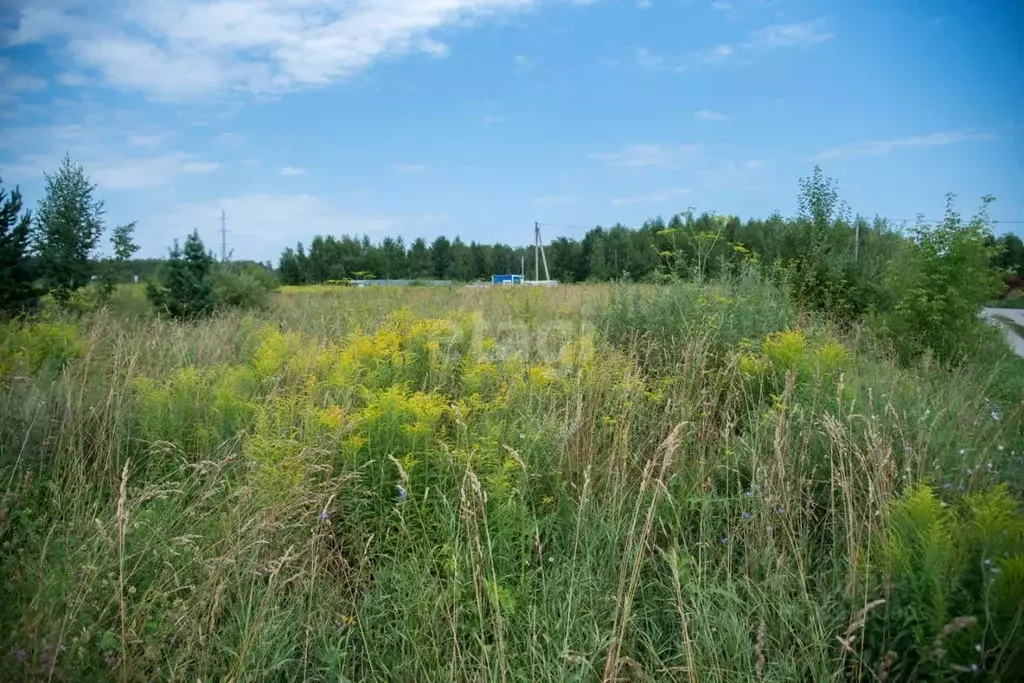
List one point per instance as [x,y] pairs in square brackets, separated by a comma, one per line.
[583,483]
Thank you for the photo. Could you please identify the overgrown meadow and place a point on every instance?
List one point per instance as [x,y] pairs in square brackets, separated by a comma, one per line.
[691,482]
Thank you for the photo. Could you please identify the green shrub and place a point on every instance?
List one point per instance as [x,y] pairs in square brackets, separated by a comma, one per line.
[31,347]
[938,287]
[239,290]
[185,289]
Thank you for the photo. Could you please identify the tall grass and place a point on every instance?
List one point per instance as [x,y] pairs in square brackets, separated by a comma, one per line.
[691,483]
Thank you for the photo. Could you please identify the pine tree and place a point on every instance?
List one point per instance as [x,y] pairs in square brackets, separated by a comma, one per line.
[68,225]
[187,287]
[16,291]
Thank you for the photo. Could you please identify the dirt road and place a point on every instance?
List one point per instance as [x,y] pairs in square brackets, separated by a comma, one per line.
[1015,340]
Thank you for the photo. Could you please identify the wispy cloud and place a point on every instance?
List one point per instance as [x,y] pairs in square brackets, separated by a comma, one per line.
[708,115]
[255,221]
[145,141]
[735,8]
[789,35]
[647,156]
[653,197]
[193,48]
[408,168]
[229,141]
[72,79]
[880,147]
[291,171]
[522,64]
[553,201]
[200,167]
[646,59]
[13,81]
[714,55]
[114,160]
[769,38]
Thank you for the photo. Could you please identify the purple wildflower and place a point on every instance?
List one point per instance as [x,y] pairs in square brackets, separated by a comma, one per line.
[401,492]
[324,516]
[746,515]
[725,539]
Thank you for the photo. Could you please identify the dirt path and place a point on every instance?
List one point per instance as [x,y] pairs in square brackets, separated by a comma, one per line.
[1013,336]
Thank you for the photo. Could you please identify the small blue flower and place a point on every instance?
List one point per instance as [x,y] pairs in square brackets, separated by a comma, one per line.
[748,494]
[725,539]
[988,562]
[401,493]
[324,516]
[996,415]
[746,515]
[994,570]
[781,511]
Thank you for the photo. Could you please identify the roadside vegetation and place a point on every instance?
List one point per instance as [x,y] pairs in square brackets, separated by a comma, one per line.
[750,468]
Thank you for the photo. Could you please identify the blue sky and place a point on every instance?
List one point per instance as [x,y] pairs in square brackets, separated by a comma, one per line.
[478,117]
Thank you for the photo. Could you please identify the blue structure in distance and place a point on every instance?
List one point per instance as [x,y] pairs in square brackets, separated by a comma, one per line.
[506,279]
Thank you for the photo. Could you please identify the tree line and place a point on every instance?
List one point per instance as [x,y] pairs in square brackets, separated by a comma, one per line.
[831,260]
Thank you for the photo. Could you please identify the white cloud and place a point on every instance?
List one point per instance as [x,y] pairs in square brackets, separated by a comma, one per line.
[262,225]
[708,115]
[735,8]
[643,4]
[12,82]
[291,171]
[229,141]
[652,197]
[715,55]
[200,167]
[492,120]
[789,35]
[409,168]
[647,156]
[181,49]
[145,141]
[553,201]
[646,59]
[880,147]
[113,160]
[72,79]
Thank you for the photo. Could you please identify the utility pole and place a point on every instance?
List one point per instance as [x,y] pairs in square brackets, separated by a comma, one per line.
[223,237]
[538,250]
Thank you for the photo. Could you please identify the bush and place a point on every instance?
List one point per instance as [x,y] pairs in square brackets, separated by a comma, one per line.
[239,290]
[938,287]
[186,287]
